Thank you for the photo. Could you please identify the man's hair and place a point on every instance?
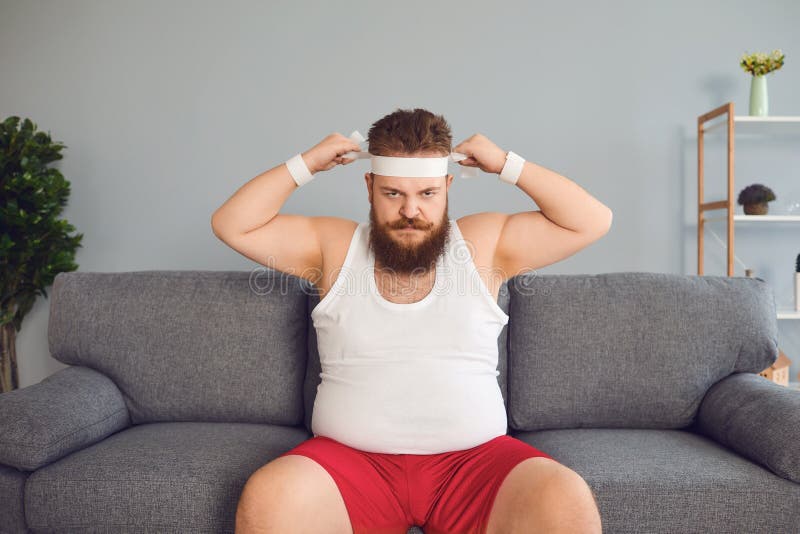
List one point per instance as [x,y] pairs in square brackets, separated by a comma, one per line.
[408,131]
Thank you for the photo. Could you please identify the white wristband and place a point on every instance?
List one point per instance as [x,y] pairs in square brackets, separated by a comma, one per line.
[299,170]
[512,168]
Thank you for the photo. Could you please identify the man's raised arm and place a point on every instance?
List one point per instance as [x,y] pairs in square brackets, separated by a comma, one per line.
[249,221]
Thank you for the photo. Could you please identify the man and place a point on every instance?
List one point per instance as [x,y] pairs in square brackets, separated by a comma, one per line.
[409,422]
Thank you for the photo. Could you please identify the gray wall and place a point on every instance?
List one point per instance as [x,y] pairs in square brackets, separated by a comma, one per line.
[168,107]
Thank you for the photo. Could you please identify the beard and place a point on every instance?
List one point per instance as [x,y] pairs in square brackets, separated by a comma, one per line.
[408,253]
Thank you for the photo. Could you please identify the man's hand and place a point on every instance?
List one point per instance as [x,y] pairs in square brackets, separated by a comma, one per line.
[329,152]
[482,153]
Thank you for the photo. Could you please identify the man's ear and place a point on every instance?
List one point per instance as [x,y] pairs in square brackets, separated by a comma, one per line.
[449,181]
[369,180]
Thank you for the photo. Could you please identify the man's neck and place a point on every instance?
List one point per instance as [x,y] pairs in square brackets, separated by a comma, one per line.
[406,279]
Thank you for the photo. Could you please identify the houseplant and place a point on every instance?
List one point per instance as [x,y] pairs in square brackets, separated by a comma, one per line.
[35,244]
[754,198]
[759,65]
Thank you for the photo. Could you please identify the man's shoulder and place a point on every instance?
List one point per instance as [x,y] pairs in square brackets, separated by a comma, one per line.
[482,229]
[335,235]
[334,229]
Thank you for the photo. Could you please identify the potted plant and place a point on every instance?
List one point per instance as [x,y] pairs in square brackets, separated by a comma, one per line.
[759,65]
[35,244]
[754,198]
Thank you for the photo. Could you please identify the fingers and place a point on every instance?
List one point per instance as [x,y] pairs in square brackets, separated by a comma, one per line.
[347,146]
[343,161]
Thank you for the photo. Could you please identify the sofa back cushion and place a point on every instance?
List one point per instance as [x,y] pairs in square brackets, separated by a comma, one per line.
[633,349]
[188,345]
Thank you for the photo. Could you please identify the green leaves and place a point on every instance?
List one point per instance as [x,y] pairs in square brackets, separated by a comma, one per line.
[35,245]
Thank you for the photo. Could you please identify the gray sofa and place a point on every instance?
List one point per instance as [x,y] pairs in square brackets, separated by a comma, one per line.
[183,383]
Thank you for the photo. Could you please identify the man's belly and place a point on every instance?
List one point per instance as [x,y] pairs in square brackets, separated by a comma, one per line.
[409,407]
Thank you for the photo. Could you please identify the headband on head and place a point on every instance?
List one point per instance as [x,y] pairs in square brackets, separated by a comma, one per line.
[410,167]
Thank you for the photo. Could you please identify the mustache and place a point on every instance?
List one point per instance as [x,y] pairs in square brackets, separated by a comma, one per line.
[406,224]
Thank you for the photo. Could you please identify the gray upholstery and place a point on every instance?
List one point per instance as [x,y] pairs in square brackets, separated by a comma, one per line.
[624,350]
[183,383]
[67,411]
[12,490]
[186,475]
[189,345]
[657,480]
[756,418]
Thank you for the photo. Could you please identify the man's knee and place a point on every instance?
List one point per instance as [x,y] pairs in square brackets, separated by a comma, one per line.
[569,500]
[280,494]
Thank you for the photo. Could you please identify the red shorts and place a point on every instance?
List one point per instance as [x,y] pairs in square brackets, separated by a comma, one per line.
[451,492]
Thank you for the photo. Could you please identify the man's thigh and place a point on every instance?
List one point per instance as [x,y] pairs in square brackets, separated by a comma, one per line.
[373,486]
[466,498]
[291,492]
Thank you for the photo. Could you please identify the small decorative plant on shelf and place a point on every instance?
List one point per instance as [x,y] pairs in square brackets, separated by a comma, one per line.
[754,198]
[759,65]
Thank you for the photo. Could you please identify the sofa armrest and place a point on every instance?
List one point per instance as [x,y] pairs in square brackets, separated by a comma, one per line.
[757,418]
[67,411]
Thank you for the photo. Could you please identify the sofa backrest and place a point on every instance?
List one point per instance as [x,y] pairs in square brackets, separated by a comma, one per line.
[631,349]
[189,345]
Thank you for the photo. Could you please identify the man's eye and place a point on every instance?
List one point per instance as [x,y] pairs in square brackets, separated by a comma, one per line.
[391,193]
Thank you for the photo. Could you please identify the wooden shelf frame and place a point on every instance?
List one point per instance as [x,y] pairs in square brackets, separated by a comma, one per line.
[728,204]
[702,206]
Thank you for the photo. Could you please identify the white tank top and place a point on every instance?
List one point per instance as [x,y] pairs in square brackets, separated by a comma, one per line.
[418,378]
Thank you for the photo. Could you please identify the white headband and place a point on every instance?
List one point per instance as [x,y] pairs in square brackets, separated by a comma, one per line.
[410,167]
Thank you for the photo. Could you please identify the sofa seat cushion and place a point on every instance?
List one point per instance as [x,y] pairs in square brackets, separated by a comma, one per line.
[157,477]
[665,480]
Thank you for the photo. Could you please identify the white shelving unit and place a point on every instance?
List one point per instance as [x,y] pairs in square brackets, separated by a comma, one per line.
[757,126]
[723,120]
[738,217]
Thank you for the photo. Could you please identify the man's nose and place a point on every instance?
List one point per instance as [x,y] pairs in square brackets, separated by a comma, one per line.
[409,210]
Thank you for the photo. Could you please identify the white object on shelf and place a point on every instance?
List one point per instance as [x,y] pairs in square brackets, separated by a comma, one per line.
[738,217]
[747,126]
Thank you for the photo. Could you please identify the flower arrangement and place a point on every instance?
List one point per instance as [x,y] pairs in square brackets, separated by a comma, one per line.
[754,198]
[759,63]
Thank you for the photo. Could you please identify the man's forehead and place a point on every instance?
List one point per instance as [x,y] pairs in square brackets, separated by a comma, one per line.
[408,184]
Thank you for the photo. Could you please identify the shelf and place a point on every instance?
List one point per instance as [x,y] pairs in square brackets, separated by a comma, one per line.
[738,217]
[788,314]
[723,121]
[747,126]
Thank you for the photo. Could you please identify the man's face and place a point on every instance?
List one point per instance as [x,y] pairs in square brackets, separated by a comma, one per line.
[397,204]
